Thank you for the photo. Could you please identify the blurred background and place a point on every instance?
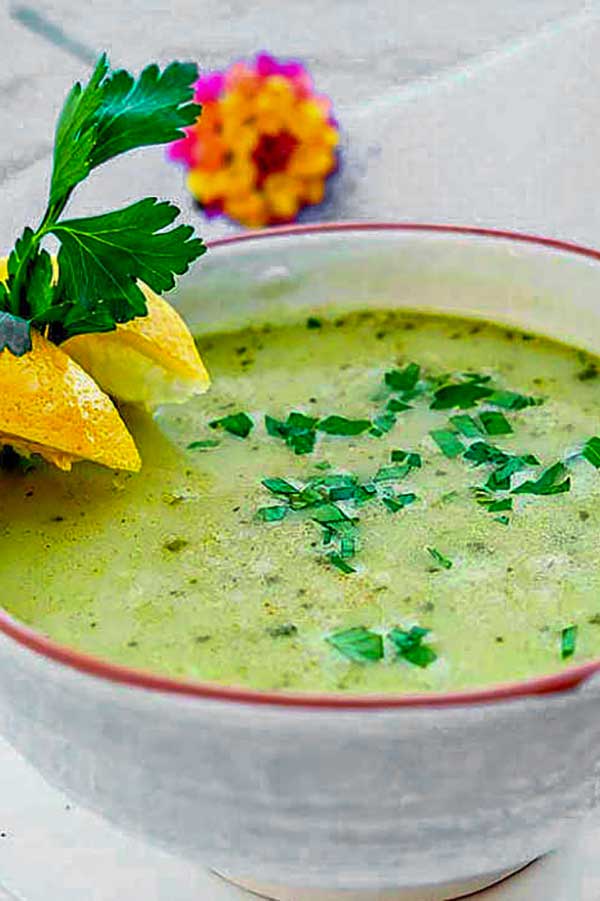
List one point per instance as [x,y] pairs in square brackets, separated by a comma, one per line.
[466,110]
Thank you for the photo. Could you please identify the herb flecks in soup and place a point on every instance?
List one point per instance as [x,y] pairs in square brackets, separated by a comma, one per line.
[385,502]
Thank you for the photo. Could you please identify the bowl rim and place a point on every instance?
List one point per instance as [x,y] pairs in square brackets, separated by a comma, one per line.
[97,667]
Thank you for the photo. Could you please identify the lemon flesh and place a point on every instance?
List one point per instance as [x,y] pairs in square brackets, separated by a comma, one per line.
[151,360]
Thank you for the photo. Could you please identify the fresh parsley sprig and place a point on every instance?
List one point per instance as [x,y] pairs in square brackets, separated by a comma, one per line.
[101,258]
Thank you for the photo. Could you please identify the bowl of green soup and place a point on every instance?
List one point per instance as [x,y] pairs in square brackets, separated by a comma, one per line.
[340,637]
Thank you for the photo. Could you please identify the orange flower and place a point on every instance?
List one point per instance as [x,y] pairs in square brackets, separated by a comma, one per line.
[264,145]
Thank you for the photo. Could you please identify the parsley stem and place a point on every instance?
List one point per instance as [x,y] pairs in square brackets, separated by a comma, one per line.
[16,305]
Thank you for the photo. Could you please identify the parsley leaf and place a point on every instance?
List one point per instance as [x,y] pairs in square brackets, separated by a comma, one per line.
[392,473]
[445,562]
[239,424]
[548,483]
[481,452]
[298,431]
[495,423]
[279,486]
[488,499]
[329,513]
[152,110]
[511,400]
[272,514]
[409,646]
[464,395]
[449,444]
[339,425]
[382,424]
[412,458]
[568,642]
[358,644]
[203,444]
[76,134]
[499,480]
[102,257]
[403,379]
[397,406]
[591,451]
[466,425]
[399,501]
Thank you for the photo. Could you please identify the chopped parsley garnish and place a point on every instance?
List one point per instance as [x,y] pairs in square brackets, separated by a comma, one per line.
[272,514]
[342,493]
[551,481]
[499,480]
[364,493]
[568,642]
[204,444]
[300,422]
[490,501]
[358,644]
[463,395]
[102,258]
[309,496]
[481,452]
[443,561]
[347,547]
[392,473]
[397,406]
[464,436]
[279,486]
[495,423]
[398,501]
[466,425]
[477,377]
[275,427]
[329,513]
[339,425]
[511,400]
[448,442]
[409,646]
[298,431]
[334,480]
[239,424]
[383,424]
[403,379]
[411,458]
[591,451]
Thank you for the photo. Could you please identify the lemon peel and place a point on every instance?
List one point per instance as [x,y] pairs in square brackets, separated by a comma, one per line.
[50,406]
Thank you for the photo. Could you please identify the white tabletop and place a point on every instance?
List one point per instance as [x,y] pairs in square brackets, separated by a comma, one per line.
[479,112]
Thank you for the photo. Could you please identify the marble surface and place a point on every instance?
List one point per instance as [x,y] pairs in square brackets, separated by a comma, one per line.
[480,112]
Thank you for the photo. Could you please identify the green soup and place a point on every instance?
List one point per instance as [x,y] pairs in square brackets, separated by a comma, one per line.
[380,526]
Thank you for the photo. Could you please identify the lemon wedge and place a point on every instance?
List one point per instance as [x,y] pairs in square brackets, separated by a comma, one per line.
[151,360]
[50,406]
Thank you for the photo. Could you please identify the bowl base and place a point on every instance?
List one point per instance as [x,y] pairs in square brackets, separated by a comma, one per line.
[447,892]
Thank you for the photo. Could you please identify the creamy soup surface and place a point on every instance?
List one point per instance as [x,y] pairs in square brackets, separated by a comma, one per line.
[180,570]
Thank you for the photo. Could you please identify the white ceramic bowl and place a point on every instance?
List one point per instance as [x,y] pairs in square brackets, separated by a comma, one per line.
[298,796]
